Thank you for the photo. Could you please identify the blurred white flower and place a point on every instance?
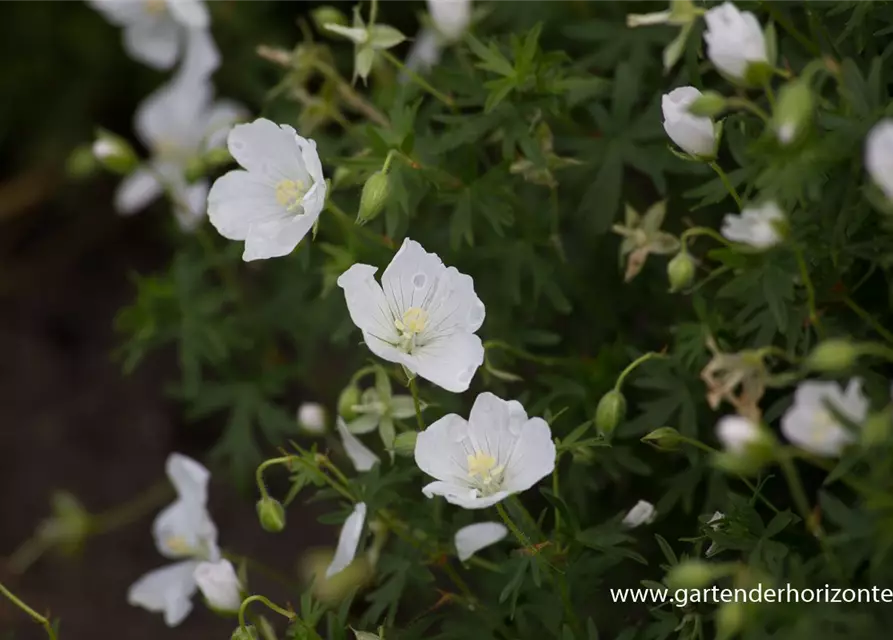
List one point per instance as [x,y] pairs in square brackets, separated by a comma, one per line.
[879,156]
[450,20]
[734,40]
[182,530]
[276,200]
[737,433]
[693,134]
[423,315]
[643,512]
[312,417]
[471,539]
[155,31]
[348,540]
[810,425]
[757,226]
[498,451]
[219,585]
[177,123]
[360,455]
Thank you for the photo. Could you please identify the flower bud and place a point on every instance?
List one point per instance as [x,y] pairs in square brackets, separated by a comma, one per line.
[877,428]
[691,574]
[404,444]
[747,446]
[312,418]
[81,162]
[114,153]
[729,619]
[793,110]
[335,589]
[349,399]
[69,525]
[708,105]
[247,633]
[665,439]
[271,514]
[680,271]
[328,14]
[610,412]
[696,135]
[375,195]
[832,355]
[735,43]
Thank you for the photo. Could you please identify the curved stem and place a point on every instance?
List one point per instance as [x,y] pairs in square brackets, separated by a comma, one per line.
[747,105]
[795,33]
[867,317]
[41,620]
[725,180]
[259,474]
[703,231]
[259,567]
[414,387]
[419,80]
[810,293]
[131,511]
[635,363]
[266,602]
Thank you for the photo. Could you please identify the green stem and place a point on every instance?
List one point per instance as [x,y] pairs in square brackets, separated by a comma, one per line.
[41,620]
[635,363]
[810,293]
[770,95]
[725,180]
[259,567]
[795,33]
[747,105]
[348,222]
[341,486]
[485,564]
[457,580]
[131,511]
[702,231]
[419,80]
[414,387]
[265,601]
[867,317]
[373,12]
[500,344]
[516,531]
[259,474]
[28,553]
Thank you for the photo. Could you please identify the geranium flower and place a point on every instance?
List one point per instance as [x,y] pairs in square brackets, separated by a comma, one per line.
[184,530]
[498,451]
[810,424]
[696,135]
[360,455]
[219,585]
[757,226]
[643,512]
[277,198]
[734,40]
[737,378]
[423,315]
[642,236]
[471,539]
[348,540]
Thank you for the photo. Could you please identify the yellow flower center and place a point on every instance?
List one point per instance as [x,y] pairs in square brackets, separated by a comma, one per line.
[155,6]
[413,322]
[178,544]
[290,193]
[486,474]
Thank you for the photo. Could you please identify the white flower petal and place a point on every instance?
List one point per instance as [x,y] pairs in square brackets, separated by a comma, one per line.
[448,362]
[451,17]
[238,200]
[190,13]
[191,204]
[642,513]
[312,417]
[471,539]
[189,477]
[137,191]
[425,52]
[533,457]
[173,117]
[121,13]
[734,39]
[276,238]
[879,156]
[202,56]
[756,226]
[220,119]
[155,43]
[462,496]
[271,151]
[412,277]
[184,529]
[367,305]
[736,433]
[360,455]
[167,590]
[219,585]
[809,425]
[348,540]
[439,451]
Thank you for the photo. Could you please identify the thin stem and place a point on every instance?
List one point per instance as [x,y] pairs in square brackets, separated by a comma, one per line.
[350,96]
[747,105]
[259,474]
[795,33]
[725,180]
[414,387]
[261,568]
[810,293]
[373,12]
[867,317]
[343,482]
[485,564]
[457,580]
[131,511]
[703,231]
[516,531]
[419,80]
[265,601]
[28,553]
[349,223]
[770,95]
[546,360]
[635,363]
[41,620]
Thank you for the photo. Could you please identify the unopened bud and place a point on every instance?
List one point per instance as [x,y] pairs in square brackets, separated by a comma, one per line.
[217,157]
[680,271]
[271,514]
[67,528]
[114,153]
[245,633]
[833,355]
[877,428]
[349,399]
[312,418]
[709,105]
[195,169]
[81,162]
[665,439]
[610,412]
[690,574]
[729,619]
[328,14]
[404,444]
[793,110]
[374,197]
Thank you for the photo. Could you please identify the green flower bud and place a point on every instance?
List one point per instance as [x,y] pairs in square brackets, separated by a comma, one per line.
[832,355]
[69,525]
[793,111]
[248,633]
[665,439]
[271,514]
[375,195]
[729,619]
[348,399]
[680,271]
[81,162]
[709,105]
[114,153]
[217,157]
[195,169]
[365,635]
[404,444]
[877,428]
[328,14]
[610,412]
[691,574]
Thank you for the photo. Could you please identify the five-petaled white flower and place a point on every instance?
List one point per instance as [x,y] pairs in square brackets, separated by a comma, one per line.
[471,539]
[734,40]
[219,585]
[809,423]
[155,31]
[758,226]
[177,123]
[183,530]
[423,315]
[694,134]
[277,198]
[879,156]
[360,455]
[643,512]
[737,433]
[348,540]
[498,451]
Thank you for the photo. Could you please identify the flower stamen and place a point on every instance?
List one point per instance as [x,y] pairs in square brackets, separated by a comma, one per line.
[414,321]
[290,194]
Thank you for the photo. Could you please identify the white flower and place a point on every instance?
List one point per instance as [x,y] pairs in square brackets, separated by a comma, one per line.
[423,315]
[757,226]
[275,201]
[177,123]
[642,513]
[450,17]
[737,433]
[879,156]
[471,539]
[812,427]
[312,417]
[348,540]
[496,453]
[425,52]
[360,455]
[154,30]
[182,530]
[694,134]
[734,40]
[219,585]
